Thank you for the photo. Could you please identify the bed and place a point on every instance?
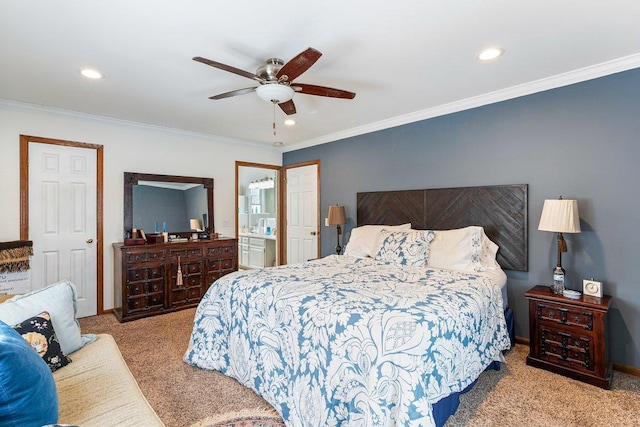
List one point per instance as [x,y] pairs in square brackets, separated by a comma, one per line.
[362,340]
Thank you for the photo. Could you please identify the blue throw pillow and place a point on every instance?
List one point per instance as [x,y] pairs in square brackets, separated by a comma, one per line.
[28,395]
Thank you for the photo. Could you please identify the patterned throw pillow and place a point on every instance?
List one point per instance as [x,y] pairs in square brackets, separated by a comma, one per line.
[39,333]
[409,248]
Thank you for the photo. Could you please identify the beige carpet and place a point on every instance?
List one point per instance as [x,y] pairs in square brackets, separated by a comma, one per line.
[518,395]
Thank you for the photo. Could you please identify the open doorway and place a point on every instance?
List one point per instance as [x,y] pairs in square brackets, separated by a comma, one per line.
[258,215]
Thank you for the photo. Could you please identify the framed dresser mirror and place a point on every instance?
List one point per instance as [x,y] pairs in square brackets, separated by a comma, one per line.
[179,205]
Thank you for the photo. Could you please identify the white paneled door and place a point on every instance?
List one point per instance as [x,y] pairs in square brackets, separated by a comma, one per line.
[62,219]
[302,213]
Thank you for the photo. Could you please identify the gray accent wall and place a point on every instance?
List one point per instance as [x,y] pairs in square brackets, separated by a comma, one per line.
[580,141]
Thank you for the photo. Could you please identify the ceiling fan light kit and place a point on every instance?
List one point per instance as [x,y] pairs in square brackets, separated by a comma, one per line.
[275,92]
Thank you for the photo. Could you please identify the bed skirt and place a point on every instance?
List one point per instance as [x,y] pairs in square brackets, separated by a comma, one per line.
[448,406]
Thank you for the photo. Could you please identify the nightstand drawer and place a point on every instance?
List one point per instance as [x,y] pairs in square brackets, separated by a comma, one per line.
[570,316]
[566,349]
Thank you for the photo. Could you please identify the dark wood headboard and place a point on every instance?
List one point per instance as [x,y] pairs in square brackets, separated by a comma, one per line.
[500,209]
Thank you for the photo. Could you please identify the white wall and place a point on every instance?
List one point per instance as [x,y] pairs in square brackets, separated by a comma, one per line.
[127,147]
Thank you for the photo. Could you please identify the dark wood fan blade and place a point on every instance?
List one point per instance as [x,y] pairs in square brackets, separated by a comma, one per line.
[288,107]
[299,64]
[234,93]
[228,68]
[322,91]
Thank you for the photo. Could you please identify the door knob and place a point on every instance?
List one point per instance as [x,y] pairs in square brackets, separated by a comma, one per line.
[313,233]
[89,240]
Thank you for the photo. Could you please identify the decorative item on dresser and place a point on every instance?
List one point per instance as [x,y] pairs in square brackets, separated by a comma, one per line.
[147,277]
[568,336]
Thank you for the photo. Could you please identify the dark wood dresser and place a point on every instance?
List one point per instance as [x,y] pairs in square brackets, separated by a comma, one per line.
[569,336]
[145,276]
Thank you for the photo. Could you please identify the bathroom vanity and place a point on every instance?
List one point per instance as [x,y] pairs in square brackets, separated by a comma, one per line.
[256,250]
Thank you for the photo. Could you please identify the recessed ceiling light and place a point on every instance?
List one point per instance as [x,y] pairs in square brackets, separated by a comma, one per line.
[90,73]
[289,122]
[490,53]
[278,143]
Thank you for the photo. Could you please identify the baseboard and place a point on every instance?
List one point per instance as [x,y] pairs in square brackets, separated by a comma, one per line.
[626,369]
[616,366]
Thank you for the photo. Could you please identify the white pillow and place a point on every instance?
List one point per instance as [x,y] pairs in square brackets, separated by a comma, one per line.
[465,249]
[364,240]
[59,300]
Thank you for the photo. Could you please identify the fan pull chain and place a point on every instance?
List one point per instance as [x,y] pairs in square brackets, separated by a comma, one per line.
[274,119]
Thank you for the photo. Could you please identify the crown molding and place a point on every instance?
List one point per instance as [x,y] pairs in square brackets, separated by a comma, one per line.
[565,79]
[24,106]
[559,80]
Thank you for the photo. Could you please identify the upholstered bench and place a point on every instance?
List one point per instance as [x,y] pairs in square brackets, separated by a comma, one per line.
[95,388]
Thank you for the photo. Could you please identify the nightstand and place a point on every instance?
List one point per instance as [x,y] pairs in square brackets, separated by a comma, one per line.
[568,336]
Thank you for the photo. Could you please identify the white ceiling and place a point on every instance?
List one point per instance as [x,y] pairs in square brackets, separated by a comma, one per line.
[406,60]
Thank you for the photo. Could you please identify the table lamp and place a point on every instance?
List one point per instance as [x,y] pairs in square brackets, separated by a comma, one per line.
[338,218]
[560,216]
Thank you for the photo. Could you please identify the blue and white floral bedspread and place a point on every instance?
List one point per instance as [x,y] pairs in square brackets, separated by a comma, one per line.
[350,341]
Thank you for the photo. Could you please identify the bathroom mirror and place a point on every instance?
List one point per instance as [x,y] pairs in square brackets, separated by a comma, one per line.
[169,201]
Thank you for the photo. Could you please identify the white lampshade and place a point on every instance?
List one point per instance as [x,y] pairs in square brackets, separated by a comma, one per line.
[337,215]
[560,216]
[194,224]
[274,92]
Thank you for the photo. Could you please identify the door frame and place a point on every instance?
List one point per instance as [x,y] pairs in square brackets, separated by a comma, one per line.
[24,200]
[279,240]
[284,203]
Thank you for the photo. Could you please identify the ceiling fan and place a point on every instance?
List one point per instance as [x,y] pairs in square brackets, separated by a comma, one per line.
[277,80]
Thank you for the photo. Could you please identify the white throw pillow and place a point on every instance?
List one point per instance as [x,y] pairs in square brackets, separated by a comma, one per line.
[59,300]
[465,249]
[364,240]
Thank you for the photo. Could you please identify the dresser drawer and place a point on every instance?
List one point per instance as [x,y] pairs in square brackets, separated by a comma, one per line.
[191,268]
[145,303]
[143,288]
[186,295]
[186,253]
[146,256]
[561,315]
[221,264]
[135,275]
[221,251]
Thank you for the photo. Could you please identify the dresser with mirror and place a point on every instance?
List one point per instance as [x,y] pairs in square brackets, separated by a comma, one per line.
[158,276]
